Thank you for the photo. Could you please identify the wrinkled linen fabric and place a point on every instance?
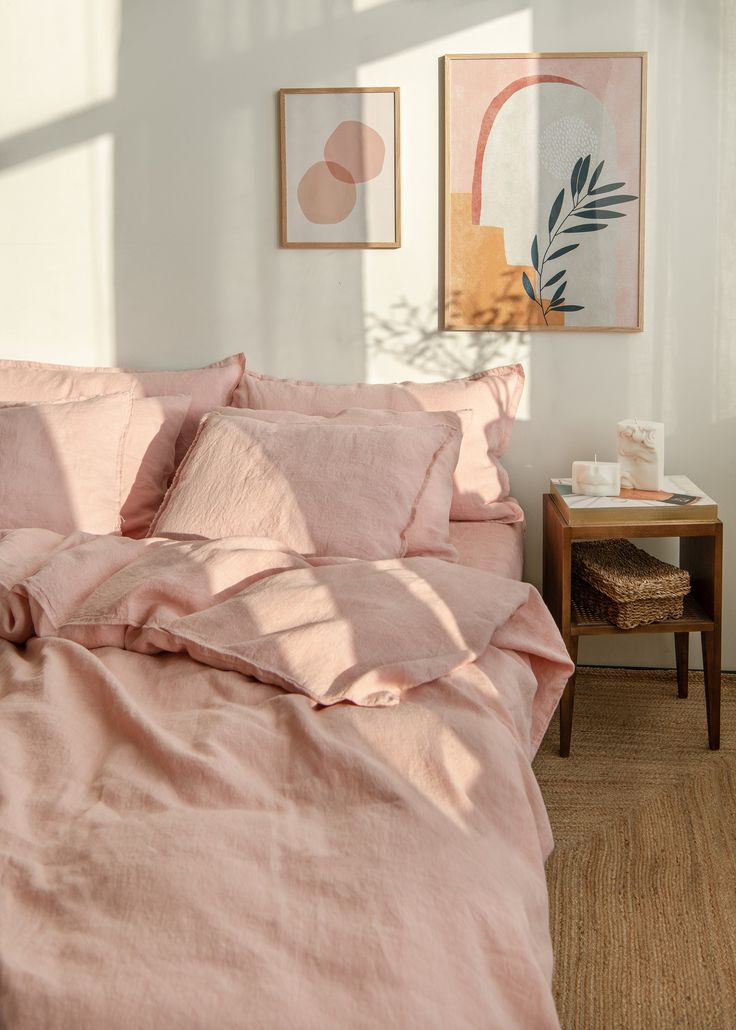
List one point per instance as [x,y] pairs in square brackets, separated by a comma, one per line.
[148,458]
[323,487]
[494,546]
[45,456]
[207,387]
[62,463]
[332,629]
[427,534]
[182,845]
[481,483]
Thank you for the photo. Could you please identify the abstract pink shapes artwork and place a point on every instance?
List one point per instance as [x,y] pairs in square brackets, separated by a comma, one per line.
[339,167]
[357,150]
[325,195]
[353,153]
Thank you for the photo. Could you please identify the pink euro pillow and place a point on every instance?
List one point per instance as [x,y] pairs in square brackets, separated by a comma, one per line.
[481,483]
[428,534]
[208,387]
[148,457]
[61,464]
[319,487]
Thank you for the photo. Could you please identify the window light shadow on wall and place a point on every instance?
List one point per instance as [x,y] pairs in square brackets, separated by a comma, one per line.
[56,256]
[171,168]
[402,325]
[65,57]
[56,186]
[366,5]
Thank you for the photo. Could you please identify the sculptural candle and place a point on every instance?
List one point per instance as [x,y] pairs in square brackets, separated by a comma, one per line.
[596,478]
[641,454]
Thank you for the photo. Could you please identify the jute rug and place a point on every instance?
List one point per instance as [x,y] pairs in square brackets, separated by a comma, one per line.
[642,881]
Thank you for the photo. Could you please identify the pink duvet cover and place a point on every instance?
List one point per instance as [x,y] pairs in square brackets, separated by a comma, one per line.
[182,845]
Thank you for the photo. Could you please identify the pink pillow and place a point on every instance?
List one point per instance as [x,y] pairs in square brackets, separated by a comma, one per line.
[208,387]
[148,457]
[481,487]
[61,464]
[148,461]
[429,532]
[320,488]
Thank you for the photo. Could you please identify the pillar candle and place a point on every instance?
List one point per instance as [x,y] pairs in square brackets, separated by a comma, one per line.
[641,454]
[596,478]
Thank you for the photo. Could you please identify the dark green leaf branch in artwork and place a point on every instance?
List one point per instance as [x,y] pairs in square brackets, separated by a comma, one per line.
[597,213]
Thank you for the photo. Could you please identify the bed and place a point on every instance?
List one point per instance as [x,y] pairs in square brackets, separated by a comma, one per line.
[245,787]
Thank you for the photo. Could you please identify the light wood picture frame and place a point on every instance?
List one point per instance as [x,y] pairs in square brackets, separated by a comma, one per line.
[544,178]
[340,173]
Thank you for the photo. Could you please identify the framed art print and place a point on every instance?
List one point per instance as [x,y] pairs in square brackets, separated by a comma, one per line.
[340,167]
[544,191]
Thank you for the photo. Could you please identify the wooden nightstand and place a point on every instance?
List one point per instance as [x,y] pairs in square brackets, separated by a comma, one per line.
[701,553]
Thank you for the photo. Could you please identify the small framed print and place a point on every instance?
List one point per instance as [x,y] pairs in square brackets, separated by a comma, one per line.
[340,167]
[544,191]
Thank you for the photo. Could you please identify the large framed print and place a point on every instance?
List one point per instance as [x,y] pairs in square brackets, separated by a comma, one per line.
[544,191]
[340,167]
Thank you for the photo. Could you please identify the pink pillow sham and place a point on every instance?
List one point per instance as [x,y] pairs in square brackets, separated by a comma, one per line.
[61,464]
[481,487]
[428,534]
[148,459]
[320,488]
[208,387]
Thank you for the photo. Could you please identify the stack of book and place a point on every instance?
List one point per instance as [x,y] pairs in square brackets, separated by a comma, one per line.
[680,499]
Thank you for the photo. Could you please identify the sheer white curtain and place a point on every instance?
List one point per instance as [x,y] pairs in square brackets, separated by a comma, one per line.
[725,377]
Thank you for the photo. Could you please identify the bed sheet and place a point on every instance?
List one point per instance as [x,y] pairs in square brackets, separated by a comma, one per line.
[494,546]
[184,846]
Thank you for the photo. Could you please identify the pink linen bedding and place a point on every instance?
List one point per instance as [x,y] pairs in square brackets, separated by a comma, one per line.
[207,387]
[288,480]
[62,463]
[481,483]
[494,546]
[182,845]
[148,458]
[428,533]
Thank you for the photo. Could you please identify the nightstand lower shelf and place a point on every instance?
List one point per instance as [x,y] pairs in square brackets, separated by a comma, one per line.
[694,620]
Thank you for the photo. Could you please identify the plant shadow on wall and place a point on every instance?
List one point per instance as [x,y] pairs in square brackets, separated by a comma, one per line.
[409,334]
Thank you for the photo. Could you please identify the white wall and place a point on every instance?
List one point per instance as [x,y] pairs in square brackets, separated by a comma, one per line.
[138,215]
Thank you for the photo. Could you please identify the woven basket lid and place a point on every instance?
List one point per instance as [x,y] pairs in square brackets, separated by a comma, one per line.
[625,572]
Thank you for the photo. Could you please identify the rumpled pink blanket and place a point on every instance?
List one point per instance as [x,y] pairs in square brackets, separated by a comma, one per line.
[183,845]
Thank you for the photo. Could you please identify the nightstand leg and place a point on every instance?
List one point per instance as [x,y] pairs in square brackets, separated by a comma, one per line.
[712,677]
[682,646]
[567,703]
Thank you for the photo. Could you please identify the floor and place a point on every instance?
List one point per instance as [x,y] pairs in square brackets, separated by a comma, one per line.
[642,881]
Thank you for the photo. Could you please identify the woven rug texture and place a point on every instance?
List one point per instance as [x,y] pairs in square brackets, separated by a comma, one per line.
[642,881]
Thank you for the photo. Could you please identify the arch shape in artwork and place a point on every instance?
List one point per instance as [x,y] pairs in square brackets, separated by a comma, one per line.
[487,124]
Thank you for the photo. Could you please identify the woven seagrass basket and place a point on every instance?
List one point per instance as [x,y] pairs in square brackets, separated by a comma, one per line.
[616,581]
